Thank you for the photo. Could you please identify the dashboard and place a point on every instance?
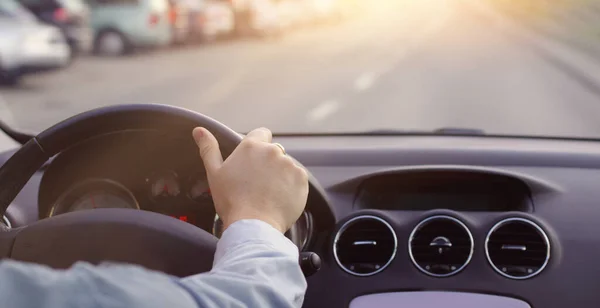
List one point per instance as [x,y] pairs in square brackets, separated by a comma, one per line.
[427,221]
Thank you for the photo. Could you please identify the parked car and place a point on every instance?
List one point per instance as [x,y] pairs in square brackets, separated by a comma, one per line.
[70,16]
[120,26]
[28,46]
[265,17]
[209,19]
[256,17]
[179,20]
[241,16]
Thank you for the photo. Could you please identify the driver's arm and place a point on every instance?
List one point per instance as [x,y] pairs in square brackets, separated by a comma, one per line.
[255,267]
[258,193]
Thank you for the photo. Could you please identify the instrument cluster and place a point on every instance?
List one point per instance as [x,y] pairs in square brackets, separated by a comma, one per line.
[139,170]
[186,198]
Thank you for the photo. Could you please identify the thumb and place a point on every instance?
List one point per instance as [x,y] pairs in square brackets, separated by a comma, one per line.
[209,149]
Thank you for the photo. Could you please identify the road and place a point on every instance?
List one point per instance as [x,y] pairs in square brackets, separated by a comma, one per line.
[414,65]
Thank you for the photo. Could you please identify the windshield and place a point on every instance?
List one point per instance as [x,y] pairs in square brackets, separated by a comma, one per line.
[525,68]
[75,5]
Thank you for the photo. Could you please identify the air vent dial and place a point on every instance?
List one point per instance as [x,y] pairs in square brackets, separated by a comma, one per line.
[440,246]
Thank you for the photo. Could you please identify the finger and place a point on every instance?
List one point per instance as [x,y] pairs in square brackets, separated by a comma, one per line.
[209,149]
[260,134]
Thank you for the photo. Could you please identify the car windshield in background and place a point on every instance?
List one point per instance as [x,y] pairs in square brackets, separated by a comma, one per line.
[507,67]
[12,9]
[76,5]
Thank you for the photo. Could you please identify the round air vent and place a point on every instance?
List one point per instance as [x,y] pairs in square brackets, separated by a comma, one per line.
[365,245]
[517,248]
[440,246]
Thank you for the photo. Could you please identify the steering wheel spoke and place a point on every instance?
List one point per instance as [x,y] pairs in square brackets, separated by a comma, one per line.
[149,239]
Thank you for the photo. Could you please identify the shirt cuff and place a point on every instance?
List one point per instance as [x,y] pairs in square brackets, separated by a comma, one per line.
[254,231]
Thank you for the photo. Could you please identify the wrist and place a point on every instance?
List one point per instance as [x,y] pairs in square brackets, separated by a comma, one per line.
[274,224]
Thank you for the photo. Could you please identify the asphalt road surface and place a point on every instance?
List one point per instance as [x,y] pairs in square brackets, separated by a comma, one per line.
[410,65]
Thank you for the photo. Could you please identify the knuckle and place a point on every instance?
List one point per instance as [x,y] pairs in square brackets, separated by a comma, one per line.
[248,144]
[264,129]
[289,163]
[303,174]
[273,150]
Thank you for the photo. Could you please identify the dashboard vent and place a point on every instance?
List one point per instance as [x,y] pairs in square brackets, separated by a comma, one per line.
[517,248]
[365,245]
[440,246]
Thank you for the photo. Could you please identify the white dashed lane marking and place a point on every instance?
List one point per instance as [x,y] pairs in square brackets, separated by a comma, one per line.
[323,110]
[365,81]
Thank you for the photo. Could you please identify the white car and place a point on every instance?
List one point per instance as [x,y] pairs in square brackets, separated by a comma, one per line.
[210,19]
[266,17]
[28,46]
[218,18]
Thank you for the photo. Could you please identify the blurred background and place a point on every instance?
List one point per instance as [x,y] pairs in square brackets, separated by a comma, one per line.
[509,67]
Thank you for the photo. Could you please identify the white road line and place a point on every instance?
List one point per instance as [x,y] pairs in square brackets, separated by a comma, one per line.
[364,82]
[322,111]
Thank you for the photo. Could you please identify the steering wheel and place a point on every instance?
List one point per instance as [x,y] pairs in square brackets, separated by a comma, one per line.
[149,239]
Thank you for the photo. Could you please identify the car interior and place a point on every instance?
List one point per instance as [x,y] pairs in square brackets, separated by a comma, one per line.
[395,220]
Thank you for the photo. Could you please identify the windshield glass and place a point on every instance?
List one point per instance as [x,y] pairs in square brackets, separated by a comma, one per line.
[75,5]
[526,67]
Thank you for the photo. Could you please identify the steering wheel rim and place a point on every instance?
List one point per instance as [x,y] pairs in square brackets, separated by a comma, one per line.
[62,240]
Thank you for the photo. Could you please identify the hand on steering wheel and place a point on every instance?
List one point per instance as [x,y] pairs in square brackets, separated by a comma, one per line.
[257,181]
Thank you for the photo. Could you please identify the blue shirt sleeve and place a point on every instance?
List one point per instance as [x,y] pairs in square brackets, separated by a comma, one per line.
[255,266]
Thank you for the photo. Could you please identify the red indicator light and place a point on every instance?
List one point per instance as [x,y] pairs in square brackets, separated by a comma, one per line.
[184,218]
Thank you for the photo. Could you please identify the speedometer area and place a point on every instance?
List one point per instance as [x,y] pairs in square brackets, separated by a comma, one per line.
[172,192]
[163,192]
[94,194]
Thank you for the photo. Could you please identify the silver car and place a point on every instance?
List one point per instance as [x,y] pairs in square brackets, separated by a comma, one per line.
[27,46]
